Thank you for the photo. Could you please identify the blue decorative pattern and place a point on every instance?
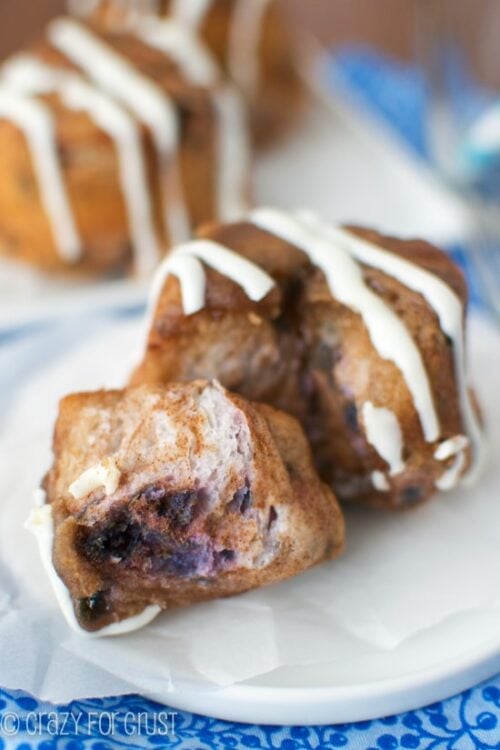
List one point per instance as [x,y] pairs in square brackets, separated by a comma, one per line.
[470,721]
[395,92]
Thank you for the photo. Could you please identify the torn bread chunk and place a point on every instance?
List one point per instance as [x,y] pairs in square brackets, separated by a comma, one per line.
[162,496]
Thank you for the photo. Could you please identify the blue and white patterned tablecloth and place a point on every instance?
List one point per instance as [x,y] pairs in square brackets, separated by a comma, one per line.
[467,722]
[470,721]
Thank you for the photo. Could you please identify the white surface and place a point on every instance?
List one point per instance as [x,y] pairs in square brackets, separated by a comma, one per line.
[409,615]
[338,163]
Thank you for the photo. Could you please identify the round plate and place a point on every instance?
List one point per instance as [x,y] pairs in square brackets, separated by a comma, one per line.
[357,677]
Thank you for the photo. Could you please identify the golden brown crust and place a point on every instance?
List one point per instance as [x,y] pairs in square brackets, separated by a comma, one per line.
[170,533]
[306,353]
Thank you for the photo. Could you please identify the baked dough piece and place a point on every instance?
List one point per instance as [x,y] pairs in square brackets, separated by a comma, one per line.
[358,335]
[114,146]
[165,496]
[254,41]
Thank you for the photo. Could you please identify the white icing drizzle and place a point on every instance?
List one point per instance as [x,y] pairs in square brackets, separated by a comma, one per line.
[233,154]
[190,12]
[449,310]
[191,275]
[451,477]
[455,446]
[145,99]
[183,46]
[344,276]
[451,447]
[36,123]
[255,282]
[31,76]
[380,482]
[383,432]
[184,263]
[104,474]
[41,524]
[245,36]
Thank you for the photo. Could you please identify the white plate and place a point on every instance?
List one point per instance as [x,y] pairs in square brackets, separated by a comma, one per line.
[336,163]
[359,679]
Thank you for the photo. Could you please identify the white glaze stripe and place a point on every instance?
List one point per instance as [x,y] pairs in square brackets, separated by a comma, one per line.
[147,101]
[449,310]
[451,477]
[191,275]
[384,434]
[190,12]
[380,481]
[41,524]
[183,47]
[388,334]
[255,282]
[233,155]
[451,447]
[29,75]
[184,263]
[244,40]
[35,121]
[118,77]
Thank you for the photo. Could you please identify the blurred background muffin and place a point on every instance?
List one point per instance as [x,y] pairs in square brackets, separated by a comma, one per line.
[115,146]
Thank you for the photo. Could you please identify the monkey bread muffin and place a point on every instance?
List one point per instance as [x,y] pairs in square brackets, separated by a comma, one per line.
[114,146]
[359,336]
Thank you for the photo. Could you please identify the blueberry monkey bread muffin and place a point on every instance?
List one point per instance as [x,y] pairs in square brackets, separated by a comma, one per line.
[254,41]
[162,496]
[359,336]
[114,146]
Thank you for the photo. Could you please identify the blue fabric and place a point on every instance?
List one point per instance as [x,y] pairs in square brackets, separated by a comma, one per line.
[394,92]
[470,721]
